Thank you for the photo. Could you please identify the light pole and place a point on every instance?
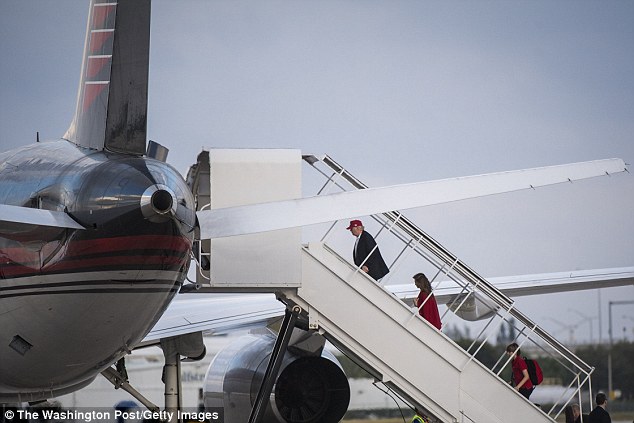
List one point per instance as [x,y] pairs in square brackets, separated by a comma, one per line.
[610,304]
[600,322]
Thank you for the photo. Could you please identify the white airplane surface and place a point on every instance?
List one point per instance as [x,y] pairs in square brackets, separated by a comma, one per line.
[220,314]
[16,219]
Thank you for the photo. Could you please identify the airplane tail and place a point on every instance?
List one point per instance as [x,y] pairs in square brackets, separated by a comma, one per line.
[111,109]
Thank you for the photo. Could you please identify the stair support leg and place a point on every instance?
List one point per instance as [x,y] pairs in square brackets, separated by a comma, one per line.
[275,362]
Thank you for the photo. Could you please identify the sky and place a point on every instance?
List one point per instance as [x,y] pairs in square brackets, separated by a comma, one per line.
[395,91]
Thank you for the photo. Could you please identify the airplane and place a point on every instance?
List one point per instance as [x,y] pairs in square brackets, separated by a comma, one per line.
[97,231]
[95,235]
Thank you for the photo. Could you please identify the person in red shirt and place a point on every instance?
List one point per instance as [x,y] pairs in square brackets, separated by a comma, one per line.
[426,302]
[521,378]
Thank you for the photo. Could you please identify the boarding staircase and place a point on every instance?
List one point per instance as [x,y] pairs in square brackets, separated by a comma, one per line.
[391,341]
[398,347]
[387,337]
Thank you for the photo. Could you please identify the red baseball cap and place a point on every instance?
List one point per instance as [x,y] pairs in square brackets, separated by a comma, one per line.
[354,224]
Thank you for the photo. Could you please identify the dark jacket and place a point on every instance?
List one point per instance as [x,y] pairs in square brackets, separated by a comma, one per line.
[376,266]
[599,415]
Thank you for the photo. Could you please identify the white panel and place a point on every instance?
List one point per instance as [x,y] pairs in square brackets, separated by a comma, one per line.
[18,218]
[350,204]
[246,176]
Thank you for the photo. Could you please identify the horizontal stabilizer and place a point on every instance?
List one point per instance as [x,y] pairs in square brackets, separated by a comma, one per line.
[232,221]
[15,219]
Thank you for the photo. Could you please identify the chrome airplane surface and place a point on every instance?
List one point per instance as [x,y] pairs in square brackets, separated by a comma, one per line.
[96,235]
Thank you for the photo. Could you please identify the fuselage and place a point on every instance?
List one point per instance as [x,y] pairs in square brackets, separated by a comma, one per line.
[74,301]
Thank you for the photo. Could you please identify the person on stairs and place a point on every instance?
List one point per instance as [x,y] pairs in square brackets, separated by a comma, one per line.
[426,302]
[521,378]
[364,247]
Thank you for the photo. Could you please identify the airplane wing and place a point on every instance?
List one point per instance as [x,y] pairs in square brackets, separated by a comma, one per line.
[223,313]
[215,314]
[542,283]
[16,219]
[262,217]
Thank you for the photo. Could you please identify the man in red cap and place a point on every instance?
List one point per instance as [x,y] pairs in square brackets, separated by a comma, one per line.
[365,247]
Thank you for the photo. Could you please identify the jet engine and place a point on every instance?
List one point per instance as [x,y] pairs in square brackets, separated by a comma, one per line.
[473,306]
[310,387]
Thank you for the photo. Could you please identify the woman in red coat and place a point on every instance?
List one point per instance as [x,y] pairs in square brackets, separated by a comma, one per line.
[426,302]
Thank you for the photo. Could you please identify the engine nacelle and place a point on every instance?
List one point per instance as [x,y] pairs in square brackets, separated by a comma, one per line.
[476,306]
[311,386]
